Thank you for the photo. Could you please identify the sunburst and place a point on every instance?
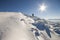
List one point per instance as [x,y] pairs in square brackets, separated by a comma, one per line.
[42,7]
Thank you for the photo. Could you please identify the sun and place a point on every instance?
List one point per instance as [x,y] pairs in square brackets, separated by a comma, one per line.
[42,7]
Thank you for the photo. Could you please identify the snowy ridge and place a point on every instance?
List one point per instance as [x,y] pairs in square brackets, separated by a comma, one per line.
[17,26]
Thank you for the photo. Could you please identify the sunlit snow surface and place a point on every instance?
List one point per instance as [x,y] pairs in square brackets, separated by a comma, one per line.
[17,26]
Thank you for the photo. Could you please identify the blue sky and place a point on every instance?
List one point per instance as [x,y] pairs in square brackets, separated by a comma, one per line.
[32,6]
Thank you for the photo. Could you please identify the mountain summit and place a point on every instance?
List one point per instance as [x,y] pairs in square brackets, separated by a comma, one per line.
[17,26]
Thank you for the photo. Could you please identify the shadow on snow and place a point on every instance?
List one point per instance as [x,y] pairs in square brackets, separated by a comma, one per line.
[41,26]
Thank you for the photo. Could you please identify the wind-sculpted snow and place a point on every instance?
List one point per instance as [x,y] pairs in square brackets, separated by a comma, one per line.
[17,26]
[41,26]
[11,28]
[46,32]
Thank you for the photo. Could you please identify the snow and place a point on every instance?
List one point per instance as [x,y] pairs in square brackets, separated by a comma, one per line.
[17,26]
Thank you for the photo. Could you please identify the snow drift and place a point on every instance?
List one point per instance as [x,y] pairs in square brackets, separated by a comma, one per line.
[17,26]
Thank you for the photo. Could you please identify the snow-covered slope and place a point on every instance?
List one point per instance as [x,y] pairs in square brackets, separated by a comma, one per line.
[17,26]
